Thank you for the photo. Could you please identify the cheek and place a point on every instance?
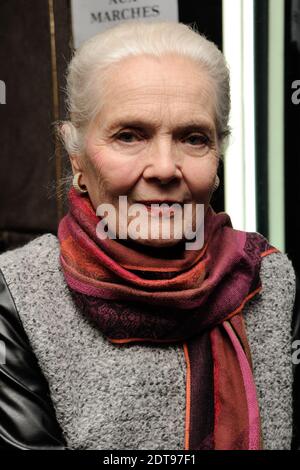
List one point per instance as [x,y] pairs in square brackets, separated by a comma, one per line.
[117,175]
[200,177]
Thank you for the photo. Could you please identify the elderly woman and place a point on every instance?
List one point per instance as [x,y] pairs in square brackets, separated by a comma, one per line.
[117,336]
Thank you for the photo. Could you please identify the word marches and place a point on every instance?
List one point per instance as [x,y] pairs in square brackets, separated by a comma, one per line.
[296,94]
[2,92]
[154,221]
[132,13]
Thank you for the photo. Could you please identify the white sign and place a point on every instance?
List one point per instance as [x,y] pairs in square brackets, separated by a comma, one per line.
[92,16]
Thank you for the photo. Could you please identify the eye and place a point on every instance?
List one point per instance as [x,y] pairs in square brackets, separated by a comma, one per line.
[197,140]
[128,137]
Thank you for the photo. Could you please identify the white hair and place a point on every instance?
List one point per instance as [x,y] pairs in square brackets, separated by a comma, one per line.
[94,59]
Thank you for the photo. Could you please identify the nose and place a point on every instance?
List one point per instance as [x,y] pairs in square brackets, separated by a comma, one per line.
[162,163]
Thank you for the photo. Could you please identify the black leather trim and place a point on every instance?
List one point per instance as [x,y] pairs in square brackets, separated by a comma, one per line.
[27,415]
[296,370]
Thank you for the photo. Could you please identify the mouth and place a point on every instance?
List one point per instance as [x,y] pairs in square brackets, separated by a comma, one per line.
[166,201]
[165,210]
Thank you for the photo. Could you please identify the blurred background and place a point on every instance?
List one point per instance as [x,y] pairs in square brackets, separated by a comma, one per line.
[259,177]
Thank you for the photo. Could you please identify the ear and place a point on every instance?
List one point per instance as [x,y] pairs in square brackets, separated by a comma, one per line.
[75,163]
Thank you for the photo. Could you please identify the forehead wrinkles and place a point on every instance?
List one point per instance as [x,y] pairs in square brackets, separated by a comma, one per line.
[171,76]
[153,97]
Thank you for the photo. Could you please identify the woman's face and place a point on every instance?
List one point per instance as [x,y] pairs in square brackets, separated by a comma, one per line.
[154,140]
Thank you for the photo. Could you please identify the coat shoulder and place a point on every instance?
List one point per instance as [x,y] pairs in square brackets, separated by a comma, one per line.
[278,274]
[39,255]
[39,247]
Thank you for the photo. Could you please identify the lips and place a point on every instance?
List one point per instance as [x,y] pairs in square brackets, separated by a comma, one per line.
[161,207]
[148,203]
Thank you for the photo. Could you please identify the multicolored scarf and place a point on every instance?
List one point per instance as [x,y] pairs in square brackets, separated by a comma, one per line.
[195,298]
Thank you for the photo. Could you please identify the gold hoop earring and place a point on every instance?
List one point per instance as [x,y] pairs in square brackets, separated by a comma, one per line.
[217,182]
[76,185]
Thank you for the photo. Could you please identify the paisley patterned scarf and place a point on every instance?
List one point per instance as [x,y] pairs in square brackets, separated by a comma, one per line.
[135,293]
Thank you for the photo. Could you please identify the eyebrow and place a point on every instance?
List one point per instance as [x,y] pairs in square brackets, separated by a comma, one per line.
[139,124]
